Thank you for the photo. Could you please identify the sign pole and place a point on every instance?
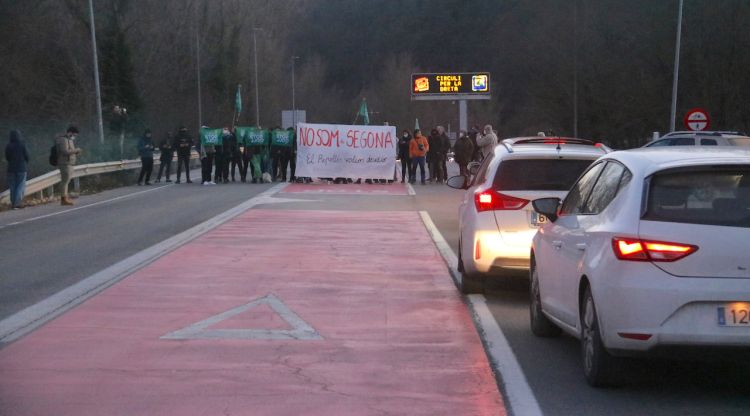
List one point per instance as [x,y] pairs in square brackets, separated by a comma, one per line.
[462,117]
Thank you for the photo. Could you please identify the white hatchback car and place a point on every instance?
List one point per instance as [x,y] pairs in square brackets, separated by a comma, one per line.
[496,222]
[649,249]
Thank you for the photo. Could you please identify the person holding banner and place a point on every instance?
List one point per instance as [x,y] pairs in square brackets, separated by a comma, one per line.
[210,140]
[418,149]
[292,154]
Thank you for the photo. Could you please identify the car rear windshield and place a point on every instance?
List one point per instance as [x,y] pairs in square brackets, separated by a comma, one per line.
[539,174]
[720,196]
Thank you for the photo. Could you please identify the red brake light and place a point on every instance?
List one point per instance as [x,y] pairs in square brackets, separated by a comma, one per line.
[642,250]
[490,200]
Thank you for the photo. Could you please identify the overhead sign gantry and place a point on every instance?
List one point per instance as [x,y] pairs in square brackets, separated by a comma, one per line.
[450,86]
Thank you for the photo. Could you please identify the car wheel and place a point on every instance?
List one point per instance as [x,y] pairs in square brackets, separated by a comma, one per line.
[599,367]
[541,326]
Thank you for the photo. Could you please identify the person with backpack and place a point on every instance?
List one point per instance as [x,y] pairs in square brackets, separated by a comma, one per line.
[146,151]
[17,157]
[165,158]
[67,153]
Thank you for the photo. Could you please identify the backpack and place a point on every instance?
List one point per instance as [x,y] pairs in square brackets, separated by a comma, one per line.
[53,155]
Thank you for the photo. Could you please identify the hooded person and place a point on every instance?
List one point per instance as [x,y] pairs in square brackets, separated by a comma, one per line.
[464,152]
[487,141]
[146,152]
[403,155]
[18,158]
[183,144]
[165,157]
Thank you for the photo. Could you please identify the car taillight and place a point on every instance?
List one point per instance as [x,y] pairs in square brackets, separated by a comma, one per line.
[645,250]
[490,201]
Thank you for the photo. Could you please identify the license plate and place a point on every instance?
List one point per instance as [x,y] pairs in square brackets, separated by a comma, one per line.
[537,219]
[734,314]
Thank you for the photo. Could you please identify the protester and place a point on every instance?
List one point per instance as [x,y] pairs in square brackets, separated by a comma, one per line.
[165,158]
[418,148]
[293,155]
[430,158]
[277,156]
[146,151]
[473,133]
[445,147]
[207,153]
[67,153]
[463,152]
[403,154]
[18,158]
[182,144]
[234,157]
[488,141]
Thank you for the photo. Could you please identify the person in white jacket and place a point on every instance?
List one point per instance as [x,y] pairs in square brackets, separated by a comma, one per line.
[487,141]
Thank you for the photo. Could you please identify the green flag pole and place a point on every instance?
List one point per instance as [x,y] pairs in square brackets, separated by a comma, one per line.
[237,106]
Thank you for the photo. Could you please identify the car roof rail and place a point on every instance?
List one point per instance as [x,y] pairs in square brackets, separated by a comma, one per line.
[703,133]
[509,143]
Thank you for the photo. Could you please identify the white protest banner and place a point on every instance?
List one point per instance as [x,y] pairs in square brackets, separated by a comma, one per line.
[339,151]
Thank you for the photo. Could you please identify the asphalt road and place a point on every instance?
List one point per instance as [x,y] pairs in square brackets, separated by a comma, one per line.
[42,256]
[58,246]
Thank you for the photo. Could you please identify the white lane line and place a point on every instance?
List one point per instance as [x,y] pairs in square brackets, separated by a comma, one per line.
[410,189]
[41,217]
[510,376]
[27,320]
[300,330]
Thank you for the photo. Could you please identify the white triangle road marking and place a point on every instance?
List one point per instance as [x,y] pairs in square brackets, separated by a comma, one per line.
[301,330]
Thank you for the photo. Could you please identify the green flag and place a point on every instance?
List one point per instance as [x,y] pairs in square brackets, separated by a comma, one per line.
[211,136]
[363,112]
[238,100]
[281,138]
[252,136]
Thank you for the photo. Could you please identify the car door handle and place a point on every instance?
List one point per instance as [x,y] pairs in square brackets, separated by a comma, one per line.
[557,244]
[581,246]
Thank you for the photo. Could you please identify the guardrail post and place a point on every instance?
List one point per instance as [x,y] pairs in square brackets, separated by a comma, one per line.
[77,185]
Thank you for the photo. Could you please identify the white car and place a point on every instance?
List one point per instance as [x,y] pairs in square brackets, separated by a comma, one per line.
[649,249]
[701,138]
[496,221]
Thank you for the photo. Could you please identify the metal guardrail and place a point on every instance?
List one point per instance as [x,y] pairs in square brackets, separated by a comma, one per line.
[50,179]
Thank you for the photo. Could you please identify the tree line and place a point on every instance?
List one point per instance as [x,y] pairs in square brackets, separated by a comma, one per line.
[601,68]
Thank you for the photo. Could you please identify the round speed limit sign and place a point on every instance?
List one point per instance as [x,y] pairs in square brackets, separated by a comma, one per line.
[697,119]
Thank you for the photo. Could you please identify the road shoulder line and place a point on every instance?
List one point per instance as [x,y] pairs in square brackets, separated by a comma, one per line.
[508,373]
[34,316]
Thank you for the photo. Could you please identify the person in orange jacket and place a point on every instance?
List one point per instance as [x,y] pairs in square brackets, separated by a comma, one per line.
[418,148]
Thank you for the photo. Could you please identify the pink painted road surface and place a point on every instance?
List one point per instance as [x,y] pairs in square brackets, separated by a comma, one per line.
[378,329]
[347,189]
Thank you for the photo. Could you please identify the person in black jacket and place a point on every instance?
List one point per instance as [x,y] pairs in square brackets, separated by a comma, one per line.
[232,151]
[403,154]
[146,152]
[445,147]
[18,158]
[182,144]
[165,158]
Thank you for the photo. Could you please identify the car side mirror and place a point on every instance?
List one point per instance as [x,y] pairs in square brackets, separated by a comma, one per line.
[547,207]
[458,182]
[474,167]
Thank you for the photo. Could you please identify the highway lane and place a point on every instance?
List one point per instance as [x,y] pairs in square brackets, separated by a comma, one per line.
[553,367]
[45,255]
